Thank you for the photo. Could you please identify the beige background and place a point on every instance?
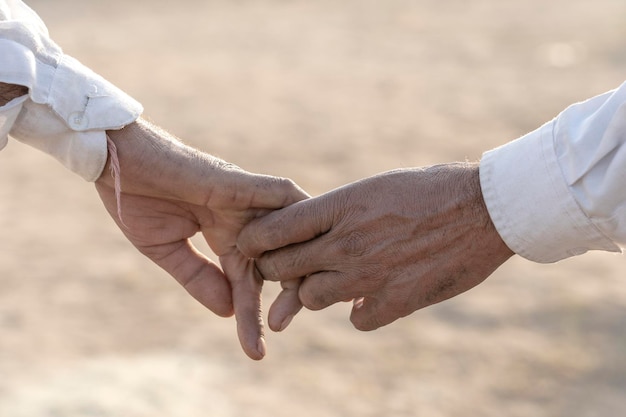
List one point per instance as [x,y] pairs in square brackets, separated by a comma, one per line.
[324,92]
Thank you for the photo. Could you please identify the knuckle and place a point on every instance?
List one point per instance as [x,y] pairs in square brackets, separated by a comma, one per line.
[366,324]
[376,314]
[293,187]
[259,236]
[311,299]
[353,244]
[299,260]
[285,183]
[273,182]
[289,189]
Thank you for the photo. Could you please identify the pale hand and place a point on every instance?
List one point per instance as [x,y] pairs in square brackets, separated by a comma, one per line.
[170,193]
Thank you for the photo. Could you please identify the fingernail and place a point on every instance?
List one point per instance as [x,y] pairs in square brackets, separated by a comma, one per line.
[285,323]
[260,346]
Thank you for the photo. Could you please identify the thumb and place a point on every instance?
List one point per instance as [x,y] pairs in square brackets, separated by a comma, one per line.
[297,223]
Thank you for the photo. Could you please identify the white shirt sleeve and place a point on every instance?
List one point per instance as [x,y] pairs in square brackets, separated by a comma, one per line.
[560,191]
[68,108]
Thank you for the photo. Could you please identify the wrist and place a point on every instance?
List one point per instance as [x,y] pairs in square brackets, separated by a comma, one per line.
[482,213]
[139,148]
[156,164]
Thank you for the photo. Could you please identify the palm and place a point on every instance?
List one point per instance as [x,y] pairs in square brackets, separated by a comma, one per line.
[161,229]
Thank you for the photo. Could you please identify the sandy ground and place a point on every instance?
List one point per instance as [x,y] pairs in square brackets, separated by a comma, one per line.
[324,92]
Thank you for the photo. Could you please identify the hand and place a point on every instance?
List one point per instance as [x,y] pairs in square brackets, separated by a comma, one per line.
[171,192]
[393,243]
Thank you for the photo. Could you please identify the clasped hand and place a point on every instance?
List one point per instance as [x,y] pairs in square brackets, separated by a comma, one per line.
[170,192]
[392,243]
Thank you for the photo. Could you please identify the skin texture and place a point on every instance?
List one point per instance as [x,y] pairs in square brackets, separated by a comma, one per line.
[10,91]
[393,243]
[170,192]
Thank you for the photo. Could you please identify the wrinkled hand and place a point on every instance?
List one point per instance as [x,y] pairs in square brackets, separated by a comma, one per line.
[393,243]
[170,193]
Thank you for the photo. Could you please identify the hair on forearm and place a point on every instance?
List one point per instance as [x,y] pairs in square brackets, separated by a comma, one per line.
[10,91]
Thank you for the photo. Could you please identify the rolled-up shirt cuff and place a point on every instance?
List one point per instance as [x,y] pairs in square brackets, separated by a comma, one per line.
[84,153]
[531,204]
[69,117]
[69,108]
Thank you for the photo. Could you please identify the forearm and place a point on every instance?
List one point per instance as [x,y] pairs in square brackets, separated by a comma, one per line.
[10,91]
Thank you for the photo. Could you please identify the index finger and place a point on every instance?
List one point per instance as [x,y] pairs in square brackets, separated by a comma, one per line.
[297,223]
[246,286]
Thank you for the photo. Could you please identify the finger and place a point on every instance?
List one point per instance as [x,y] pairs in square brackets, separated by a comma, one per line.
[296,223]
[298,260]
[286,306]
[324,289]
[246,286]
[201,277]
[274,192]
[370,314]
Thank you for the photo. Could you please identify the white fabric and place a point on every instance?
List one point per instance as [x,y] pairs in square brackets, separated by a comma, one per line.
[560,191]
[68,108]
[8,114]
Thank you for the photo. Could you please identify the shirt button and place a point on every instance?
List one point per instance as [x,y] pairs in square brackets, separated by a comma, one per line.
[78,120]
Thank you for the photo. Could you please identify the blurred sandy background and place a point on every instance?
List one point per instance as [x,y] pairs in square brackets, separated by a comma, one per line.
[325,92]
